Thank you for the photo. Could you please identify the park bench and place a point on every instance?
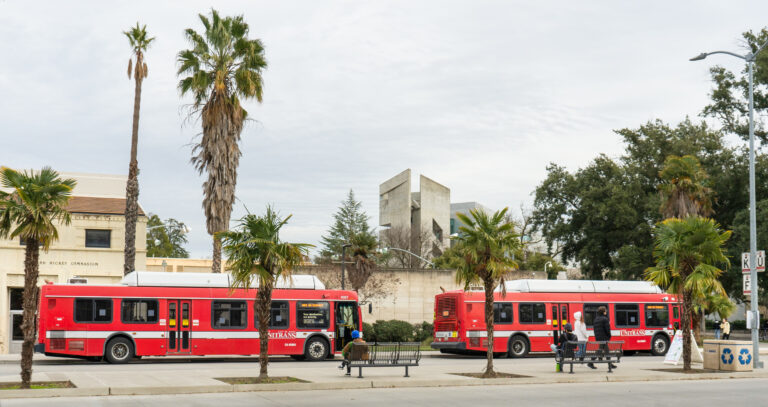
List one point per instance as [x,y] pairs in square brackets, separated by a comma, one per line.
[592,349]
[389,354]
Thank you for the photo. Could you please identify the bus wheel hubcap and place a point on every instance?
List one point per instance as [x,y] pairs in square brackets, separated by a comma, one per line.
[316,350]
[120,351]
[517,347]
[660,345]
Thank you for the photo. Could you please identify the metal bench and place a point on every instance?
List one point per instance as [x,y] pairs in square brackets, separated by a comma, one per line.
[602,351]
[390,354]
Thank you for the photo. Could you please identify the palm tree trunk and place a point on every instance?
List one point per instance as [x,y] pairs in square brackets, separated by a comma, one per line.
[263,305]
[488,285]
[28,325]
[685,325]
[216,265]
[132,187]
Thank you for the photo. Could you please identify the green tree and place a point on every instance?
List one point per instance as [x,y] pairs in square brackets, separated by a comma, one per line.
[349,221]
[683,188]
[364,256]
[450,259]
[255,252]
[31,212]
[486,243]
[688,252]
[729,101]
[139,41]
[166,238]
[732,278]
[222,67]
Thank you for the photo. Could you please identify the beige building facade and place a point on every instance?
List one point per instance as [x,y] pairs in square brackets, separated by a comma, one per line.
[91,247]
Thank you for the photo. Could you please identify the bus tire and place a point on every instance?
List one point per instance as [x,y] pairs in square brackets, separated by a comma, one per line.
[659,345]
[518,346]
[317,349]
[119,350]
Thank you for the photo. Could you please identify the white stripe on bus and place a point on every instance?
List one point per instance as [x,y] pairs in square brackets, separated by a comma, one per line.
[162,334]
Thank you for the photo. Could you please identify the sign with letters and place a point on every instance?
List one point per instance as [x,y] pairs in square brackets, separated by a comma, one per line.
[760,259]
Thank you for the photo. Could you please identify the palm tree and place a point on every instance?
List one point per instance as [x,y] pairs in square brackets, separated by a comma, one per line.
[255,252]
[486,244]
[31,212]
[222,67]
[687,253]
[363,258]
[683,188]
[139,40]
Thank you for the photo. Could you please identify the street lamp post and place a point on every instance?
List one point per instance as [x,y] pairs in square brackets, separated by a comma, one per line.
[749,58]
[412,254]
[343,264]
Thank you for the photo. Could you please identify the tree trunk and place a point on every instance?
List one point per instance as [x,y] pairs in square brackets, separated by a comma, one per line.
[685,326]
[132,186]
[263,305]
[488,285]
[28,325]
[216,266]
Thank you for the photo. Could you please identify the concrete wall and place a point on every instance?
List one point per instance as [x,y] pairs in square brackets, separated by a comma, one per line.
[395,201]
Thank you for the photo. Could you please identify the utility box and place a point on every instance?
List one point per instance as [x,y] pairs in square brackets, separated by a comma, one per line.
[711,353]
[735,356]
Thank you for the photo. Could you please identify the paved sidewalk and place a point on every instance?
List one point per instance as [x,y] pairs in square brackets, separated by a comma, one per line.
[179,377]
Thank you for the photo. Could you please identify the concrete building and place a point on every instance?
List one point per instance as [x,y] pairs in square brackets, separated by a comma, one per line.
[420,220]
[90,247]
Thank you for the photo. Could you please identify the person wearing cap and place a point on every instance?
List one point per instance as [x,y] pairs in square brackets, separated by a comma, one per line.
[567,336]
[345,352]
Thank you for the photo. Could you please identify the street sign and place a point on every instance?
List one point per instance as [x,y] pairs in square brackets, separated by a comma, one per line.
[746,284]
[760,262]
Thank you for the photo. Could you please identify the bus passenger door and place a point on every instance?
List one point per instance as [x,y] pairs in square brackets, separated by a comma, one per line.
[560,314]
[346,322]
[179,326]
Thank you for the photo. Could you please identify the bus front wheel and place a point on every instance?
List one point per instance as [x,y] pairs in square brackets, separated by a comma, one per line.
[518,347]
[317,349]
[659,345]
[119,350]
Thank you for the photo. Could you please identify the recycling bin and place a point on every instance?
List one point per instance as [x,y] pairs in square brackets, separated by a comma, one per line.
[736,356]
[712,353]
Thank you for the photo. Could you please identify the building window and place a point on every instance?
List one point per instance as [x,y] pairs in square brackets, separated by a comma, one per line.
[532,313]
[502,313]
[139,311]
[312,314]
[229,315]
[97,238]
[278,316]
[17,299]
[627,315]
[90,310]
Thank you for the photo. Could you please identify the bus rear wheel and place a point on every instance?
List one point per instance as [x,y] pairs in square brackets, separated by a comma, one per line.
[659,345]
[317,349]
[119,350]
[518,347]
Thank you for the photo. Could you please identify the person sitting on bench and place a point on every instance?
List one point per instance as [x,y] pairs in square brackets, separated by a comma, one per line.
[566,336]
[347,350]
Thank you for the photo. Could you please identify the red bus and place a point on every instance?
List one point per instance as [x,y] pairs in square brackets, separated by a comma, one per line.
[159,314]
[532,315]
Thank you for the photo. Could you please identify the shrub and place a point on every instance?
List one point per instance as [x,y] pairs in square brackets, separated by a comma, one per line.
[740,325]
[392,331]
[369,334]
[423,331]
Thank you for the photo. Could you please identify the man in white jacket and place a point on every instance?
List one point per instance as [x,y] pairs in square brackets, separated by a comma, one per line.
[580,329]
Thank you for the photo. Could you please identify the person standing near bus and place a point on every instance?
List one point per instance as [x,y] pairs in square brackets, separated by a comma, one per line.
[717,330]
[725,326]
[580,329]
[602,327]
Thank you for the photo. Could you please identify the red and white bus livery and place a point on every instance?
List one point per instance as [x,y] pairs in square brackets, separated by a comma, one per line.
[159,314]
[532,315]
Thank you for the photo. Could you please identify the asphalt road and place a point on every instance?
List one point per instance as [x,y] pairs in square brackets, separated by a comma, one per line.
[748,392]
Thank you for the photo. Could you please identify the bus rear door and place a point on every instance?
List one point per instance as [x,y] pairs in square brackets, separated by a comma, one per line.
[179,327]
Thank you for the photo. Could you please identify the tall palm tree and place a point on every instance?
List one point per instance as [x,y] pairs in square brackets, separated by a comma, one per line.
[139,40]
[683,188]
[31,212]
[255,252]
[688,252]
[363,259]
[486,244]
[222,67]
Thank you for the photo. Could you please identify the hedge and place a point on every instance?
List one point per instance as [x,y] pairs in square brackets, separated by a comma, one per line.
[397,331]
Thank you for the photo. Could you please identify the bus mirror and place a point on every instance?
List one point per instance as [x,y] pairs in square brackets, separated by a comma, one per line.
[370,308]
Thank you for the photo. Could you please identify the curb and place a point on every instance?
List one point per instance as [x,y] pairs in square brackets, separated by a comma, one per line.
[364,384]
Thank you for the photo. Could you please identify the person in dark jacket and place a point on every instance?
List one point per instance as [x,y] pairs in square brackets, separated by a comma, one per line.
[602,327]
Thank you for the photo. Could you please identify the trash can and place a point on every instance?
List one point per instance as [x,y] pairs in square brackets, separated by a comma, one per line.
[712,353]
[735,356]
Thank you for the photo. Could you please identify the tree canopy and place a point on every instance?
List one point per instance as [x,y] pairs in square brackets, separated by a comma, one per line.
[166,238]
[350,220]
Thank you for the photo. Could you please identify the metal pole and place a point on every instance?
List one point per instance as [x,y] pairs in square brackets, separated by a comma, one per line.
[753,222]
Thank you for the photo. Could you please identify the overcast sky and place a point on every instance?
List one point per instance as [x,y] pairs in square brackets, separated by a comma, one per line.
[477,95]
